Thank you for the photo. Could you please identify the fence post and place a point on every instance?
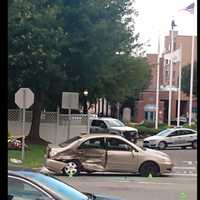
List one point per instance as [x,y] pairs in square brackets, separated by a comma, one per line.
[57,123]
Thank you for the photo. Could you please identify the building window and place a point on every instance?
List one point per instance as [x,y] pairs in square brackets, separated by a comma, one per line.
[149,116]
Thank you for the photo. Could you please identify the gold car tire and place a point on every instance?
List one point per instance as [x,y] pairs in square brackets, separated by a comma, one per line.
[72,168]
[162,145]
[149,169]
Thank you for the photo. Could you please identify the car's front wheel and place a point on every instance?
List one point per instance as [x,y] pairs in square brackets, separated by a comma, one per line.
[71,168]
[162,145]
[149,169]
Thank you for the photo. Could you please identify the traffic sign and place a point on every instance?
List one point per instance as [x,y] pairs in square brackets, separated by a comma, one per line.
[70,100]
[24,98]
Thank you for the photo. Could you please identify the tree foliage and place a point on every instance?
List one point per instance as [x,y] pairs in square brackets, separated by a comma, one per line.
[186,79]
[73,45]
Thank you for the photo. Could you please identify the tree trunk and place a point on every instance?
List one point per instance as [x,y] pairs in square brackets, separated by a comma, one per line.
[34,134]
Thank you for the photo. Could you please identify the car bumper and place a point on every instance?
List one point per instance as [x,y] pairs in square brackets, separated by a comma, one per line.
[166,167]
[149,145]
[54,165]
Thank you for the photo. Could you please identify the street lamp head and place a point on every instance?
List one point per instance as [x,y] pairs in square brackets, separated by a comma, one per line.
[85,92]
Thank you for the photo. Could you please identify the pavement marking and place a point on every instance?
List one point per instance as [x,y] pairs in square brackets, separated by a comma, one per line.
[184,174]
[188,162]
[158,183]
[180,167]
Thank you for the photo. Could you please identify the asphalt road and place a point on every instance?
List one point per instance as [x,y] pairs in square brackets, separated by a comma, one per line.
[185,161]
[131,187]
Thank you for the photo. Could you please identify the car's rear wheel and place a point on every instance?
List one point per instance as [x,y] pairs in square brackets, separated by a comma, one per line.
[149,169]
[72,168]
[194,145]
[162,145]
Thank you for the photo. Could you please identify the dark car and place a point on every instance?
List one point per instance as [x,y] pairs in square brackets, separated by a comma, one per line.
[30,185]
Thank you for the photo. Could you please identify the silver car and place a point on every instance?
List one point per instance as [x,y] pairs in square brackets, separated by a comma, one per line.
[173,137]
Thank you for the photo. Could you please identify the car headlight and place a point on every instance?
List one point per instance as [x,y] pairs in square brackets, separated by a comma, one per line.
[152,141]
[165,159]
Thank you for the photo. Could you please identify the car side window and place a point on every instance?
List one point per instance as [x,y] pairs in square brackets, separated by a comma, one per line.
[97,143]
[187,132]
[182,132]
[174,133]
[95,123]
[119,145]
[98,123]
[21,190]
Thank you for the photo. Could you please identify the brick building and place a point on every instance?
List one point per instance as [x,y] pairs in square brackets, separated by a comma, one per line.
[146,105]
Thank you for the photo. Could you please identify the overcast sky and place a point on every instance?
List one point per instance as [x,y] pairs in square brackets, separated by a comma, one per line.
[155,18]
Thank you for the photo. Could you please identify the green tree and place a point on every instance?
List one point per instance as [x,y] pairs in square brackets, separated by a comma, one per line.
[73,45]
[186,79]
[35,38]
[101,48]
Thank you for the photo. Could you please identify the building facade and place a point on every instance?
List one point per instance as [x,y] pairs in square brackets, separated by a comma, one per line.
[146,105]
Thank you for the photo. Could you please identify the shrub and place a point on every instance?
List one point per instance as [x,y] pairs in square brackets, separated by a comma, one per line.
[193,126]
[145,131]
[148,124]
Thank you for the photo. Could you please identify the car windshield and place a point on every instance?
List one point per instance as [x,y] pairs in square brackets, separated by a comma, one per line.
[115,123]
[61,189]
[164,133]
[67,142]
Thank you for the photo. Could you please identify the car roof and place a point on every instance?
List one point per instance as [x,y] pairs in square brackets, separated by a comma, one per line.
[94,135]
[105,118]
[181,128]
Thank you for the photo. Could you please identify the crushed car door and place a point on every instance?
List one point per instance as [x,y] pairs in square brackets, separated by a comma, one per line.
[92,154]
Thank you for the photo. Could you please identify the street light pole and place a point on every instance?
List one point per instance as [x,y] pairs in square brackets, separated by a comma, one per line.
[85,93]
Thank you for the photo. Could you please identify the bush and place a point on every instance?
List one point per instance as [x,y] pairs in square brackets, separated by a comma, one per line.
[147,128]
[193,126]
[145,131]
[148,124]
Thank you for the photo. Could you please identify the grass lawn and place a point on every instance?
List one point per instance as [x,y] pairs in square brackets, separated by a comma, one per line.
[33,158]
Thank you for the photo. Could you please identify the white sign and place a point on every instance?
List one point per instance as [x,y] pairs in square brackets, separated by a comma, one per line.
[175,56]
[70,100]
[24,98]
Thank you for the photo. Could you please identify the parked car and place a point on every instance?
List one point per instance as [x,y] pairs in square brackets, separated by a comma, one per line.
[29,185]
[114,126]
[173,137]
[183,120]
[105,153]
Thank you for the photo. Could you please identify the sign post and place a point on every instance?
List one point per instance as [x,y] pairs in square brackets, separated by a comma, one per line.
[24,98]
[70,100]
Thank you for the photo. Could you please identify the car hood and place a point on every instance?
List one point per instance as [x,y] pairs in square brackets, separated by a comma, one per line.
[123,128]
[154,137]
[155,152]
[55,148]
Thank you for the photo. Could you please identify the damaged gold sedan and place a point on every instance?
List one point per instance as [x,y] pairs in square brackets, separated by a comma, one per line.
[105,153]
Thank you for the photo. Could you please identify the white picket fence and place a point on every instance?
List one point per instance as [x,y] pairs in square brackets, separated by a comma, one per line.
[53,125]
